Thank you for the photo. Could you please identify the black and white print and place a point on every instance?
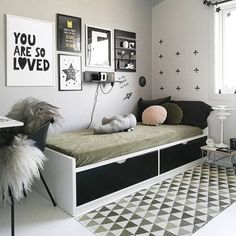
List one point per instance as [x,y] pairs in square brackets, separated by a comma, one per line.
[30,58]
[69,72]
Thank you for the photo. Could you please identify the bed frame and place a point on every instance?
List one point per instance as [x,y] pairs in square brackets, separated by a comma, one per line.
[79,190]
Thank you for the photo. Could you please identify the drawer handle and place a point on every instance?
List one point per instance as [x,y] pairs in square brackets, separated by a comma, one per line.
[121,162]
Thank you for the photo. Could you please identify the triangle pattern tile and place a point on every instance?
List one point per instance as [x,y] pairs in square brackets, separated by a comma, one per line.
[176,206]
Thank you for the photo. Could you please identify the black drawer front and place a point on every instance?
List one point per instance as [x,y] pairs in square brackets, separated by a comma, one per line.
[178,155]
[100,181]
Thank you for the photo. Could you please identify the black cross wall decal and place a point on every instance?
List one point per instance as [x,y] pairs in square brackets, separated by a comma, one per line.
[161,88]
[197,88]
[177,71]
[161,72]
[161,56]
[196,70]
[161,41]
[195,52]
[177,53]
[178,88]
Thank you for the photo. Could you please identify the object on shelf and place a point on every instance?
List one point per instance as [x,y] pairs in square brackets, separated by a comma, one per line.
[222,113]
[227,150]
[124,44]
[99,77]
[233,143]
[210,143]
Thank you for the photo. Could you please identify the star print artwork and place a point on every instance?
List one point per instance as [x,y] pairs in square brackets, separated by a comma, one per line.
[70,72]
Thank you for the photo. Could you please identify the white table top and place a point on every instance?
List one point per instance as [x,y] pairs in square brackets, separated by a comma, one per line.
[213,149]
[6,122]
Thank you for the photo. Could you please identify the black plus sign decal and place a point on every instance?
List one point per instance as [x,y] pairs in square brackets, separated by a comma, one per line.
[218,9]
[178,88]
[177,53]
[197,88]
[177,71]
[196,70]
[161,88]
[195,52]
[161,41]
[161,56]
[161,72]
[207,3]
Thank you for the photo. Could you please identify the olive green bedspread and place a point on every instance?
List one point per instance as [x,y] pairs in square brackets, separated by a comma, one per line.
[88,148]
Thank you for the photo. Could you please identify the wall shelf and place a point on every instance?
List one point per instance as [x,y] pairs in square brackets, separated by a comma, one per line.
[126,38]
[125,51]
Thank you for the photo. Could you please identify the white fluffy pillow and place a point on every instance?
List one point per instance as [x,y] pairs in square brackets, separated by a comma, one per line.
[154,115]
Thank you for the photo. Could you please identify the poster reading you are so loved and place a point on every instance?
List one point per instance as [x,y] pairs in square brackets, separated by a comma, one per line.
[30,52]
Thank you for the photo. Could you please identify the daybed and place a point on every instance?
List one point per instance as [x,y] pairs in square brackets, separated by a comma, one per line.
[82,167]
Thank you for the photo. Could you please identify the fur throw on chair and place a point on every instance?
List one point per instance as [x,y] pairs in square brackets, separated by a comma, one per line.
[33,113]
[20,159]
[19,165]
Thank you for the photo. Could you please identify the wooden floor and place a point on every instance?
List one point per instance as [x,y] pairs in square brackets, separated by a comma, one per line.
[35,216]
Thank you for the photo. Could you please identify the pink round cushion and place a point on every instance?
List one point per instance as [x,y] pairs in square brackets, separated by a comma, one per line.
[154,115]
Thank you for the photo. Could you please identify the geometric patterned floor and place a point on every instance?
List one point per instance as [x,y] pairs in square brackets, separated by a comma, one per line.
[177,206]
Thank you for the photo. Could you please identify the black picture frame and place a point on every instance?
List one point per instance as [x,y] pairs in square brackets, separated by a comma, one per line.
[70,72]
[68,33]
[98,55]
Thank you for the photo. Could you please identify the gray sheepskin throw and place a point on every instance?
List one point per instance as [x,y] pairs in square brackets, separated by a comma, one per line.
[19,165]
[34,113]
[20,159]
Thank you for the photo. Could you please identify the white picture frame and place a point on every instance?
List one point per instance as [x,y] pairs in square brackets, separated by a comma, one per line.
[70,72]
[98,55]
[30,52]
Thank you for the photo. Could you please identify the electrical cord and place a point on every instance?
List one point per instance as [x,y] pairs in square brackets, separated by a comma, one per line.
[112,85]
[94,106]
[96,99]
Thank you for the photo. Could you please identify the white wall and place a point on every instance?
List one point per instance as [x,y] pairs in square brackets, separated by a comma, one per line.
[76,106]
[183,25]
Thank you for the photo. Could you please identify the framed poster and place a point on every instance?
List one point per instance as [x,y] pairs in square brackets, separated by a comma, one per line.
[70,73]
[98,47]
[30,52]
[68,33]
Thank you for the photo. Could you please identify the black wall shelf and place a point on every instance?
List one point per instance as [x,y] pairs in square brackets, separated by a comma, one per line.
[125,51]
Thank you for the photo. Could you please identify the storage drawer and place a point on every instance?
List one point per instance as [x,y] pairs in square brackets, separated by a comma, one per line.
[100,181]
[178,155]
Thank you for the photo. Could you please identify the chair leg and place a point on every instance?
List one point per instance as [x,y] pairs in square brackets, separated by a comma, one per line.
[12,214]
[47,188]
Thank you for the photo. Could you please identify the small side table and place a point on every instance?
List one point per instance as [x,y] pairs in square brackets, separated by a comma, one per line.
[212,153]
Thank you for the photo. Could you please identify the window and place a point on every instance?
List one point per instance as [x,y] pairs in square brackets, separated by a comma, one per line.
[225,49]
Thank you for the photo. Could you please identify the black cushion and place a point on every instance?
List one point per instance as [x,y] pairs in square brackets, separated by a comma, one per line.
[174,113]
[143,104]
[195,113]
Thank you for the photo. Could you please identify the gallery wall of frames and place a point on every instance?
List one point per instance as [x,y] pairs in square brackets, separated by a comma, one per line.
[29,50]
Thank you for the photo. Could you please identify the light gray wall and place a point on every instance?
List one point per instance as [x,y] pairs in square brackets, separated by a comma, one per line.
[76,106]
[183,25]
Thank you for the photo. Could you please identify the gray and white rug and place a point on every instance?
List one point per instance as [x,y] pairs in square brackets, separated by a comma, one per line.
[177,206]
